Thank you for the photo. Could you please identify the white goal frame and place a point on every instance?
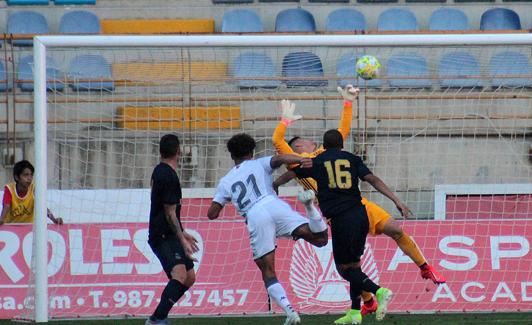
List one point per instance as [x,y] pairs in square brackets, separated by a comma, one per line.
[42,43]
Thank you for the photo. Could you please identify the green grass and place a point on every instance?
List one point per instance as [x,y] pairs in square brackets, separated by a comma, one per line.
[432,319]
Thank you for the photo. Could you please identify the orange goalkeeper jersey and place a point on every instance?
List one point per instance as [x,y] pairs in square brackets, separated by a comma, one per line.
[282,147]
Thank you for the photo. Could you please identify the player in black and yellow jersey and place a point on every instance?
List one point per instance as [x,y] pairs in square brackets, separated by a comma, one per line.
[380,221]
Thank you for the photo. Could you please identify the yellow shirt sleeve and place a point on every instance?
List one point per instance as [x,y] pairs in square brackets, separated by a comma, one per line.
[280,144]
[345,121]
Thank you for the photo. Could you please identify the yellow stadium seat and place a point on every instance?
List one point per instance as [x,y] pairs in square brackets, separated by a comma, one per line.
[157,26]
[166,118]
[169,72]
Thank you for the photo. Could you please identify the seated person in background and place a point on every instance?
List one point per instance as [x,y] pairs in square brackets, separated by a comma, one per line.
[19,198]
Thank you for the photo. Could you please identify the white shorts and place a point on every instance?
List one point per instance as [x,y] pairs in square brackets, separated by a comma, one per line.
[268,219]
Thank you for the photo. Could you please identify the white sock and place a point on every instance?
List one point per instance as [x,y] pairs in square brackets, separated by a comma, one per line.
[277,293]
[315,222]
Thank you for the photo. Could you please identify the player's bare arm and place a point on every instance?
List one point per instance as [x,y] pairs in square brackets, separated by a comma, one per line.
[5,210]
[289,159]
[380,186]
[214,210]
[171,218]
[56,220]
[283,179]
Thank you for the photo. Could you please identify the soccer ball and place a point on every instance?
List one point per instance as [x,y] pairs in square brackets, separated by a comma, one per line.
[368,67]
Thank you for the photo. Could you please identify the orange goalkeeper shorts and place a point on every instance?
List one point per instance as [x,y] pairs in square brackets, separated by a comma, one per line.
[377,217]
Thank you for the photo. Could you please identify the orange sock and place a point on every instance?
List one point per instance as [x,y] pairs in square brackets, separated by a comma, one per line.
[366,296]
[409,247]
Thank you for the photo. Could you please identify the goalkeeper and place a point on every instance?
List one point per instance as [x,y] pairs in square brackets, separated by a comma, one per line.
[380,221]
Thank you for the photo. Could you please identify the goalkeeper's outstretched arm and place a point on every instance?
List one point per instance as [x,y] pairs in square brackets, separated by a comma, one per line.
[350,94]
[287,118]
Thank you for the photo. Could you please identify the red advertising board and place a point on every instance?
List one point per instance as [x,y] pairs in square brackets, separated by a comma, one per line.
[108,269]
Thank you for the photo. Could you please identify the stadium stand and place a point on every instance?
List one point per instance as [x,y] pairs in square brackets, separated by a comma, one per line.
[241,21]
[396,19]
[500,19]
[459,70]
[4,84]
[329,1]
[303,66]
[505,65]
[90,72]
[26,2]
[25,74]
[408,70]
[448,19]
[278,0]
[75,2]
[346,70]
[345,20]
[157,26]
[79,22]
[249,65]
[26,22]
[377,1]
[170,118]
[295,20]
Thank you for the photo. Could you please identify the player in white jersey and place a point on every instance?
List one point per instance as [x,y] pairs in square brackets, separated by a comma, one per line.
[248,185]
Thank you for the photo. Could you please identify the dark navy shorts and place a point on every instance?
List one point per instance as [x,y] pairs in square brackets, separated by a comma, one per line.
[349,231]
[170,253]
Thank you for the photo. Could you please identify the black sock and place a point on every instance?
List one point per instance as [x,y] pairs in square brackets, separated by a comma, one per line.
[354,292]
[171,294]
[369,286]
[354,275]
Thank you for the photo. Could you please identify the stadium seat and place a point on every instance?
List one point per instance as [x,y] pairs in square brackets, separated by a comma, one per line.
[504,65]
[345,69]
[4,84]
[25,74]
[328,1]
[295,20]
[427,1]
[250,65]
[448,19]
[376,1]
[90,72]
[157,26]
[397,19]
[345,20]
[26,2]
[231,1]
[411,67]
[26,22]
[500,19]
[303,65]
[241,21]
[278,0]
[75,2]
[79,22]
[456,69]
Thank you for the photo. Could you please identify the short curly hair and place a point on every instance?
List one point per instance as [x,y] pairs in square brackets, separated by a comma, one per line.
[19,167]
[241,145]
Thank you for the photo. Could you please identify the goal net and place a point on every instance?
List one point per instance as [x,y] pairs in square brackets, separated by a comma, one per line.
[446,126]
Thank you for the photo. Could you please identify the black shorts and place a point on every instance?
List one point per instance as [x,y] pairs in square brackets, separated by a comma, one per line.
[349,231]
[170,253]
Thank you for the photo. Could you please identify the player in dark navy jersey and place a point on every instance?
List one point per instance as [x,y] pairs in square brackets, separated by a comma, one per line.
[337,173]
[172,245]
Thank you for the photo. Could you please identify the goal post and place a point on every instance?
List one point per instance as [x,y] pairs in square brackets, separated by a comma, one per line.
[42,45]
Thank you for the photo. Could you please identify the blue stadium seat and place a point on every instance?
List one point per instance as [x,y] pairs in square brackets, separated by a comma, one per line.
[231,1]
[295,20]
[26,22]
[25,74]
[345,69]
[26,2]
[397,19]
[456,69]
[4,83]
[345,20]
[448,19]
[500,19]
[250,64]
[504,65]
[329,1]
[241,21]
[278,0]
[411,67]
[92,71]
[303,65]
[75,2]
[79,22]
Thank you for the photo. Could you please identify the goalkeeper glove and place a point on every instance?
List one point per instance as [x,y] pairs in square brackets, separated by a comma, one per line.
[349,93]
[288,116]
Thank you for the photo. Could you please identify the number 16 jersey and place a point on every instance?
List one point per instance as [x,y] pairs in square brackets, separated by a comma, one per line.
[246,184]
